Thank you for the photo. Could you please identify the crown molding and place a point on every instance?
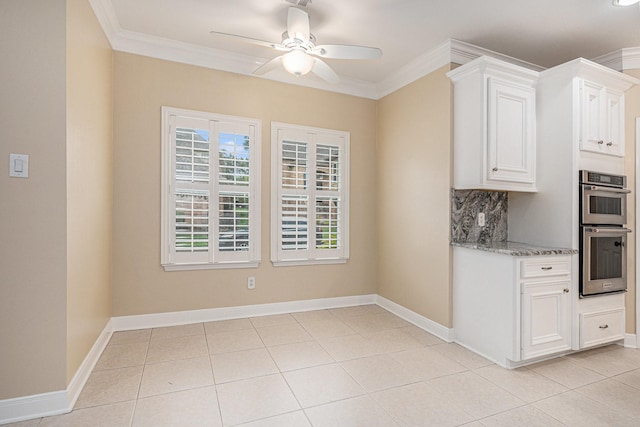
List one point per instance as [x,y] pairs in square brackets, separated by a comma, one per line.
[462,52]
[450,51]
[106,15]
[627,58]
[419,67]
[593,71]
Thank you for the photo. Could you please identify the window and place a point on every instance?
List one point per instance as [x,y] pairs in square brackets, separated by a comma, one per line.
[211,190]
[310,195]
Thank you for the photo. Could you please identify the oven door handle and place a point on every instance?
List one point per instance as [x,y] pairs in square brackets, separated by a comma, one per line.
[609,189]
[607,230]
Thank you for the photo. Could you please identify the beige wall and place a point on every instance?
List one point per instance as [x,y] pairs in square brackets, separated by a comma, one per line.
[632,110]
[33,210]
[141,86]
[89,181]
[414,170]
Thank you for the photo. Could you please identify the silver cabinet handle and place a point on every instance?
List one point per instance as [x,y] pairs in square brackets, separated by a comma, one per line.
[603,327]
[495,169]
[600,142]
[546,268]
[565,290]
[609,144]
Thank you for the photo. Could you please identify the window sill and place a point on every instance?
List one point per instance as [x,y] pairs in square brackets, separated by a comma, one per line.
[294,262]
[210,266]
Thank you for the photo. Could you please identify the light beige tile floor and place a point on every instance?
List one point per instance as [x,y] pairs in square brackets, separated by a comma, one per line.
[350,367]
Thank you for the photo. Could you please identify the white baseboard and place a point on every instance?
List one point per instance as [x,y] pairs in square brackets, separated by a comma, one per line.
[631,340]
[57,402]
[34,406]
[145,321]
[60,402]
[420,321]
[82,374]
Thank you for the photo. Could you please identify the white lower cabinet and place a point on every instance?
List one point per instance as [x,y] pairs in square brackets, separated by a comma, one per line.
[546,319]
[512,309]
[601,320]
[601,327]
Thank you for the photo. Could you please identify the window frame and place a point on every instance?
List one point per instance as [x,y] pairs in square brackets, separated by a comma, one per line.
[313,137]
[215,258]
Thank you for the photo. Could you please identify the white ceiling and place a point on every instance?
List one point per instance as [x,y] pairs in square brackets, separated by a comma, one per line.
[542,32]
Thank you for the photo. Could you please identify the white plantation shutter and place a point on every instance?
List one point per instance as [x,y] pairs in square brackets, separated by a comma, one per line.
[234,224]
[210,202]
[309,195]
[294,223]
[192,221]
[190,191]
[329,196]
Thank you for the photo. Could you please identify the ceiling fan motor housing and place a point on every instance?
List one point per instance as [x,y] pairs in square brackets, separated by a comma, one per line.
[302,3]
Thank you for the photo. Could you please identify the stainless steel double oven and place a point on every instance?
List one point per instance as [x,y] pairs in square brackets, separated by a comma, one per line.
[603,236]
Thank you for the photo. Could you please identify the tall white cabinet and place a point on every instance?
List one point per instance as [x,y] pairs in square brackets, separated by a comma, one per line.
[494,126]
[580,116]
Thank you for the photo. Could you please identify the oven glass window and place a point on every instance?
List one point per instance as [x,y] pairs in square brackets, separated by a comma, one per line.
[605,205]
[606,258]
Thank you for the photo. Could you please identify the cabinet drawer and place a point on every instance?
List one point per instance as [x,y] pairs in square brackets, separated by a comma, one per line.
[601,327]
[543,267]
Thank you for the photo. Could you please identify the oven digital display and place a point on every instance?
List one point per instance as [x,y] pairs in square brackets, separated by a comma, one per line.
[604,179]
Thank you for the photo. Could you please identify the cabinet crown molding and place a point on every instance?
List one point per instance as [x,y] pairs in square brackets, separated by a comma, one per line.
[493,66]
[589,70]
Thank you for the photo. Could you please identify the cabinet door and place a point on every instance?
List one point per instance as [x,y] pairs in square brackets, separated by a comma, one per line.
[546,321]
[614,141]
[510,132]
[592,115]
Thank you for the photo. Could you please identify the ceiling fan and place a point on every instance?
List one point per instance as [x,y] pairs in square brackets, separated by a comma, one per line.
[302,54]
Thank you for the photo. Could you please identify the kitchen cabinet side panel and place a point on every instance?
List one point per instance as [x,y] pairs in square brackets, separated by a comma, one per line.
[548,217]
[484,289]
[469,132]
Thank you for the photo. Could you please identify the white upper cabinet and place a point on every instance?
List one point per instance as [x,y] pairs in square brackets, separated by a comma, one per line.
[494,126]
[602,119]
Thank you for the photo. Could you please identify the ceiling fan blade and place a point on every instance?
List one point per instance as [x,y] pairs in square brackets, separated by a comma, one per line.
[322,70]
[342,51]
[257,42]
[298,24]
[268,66]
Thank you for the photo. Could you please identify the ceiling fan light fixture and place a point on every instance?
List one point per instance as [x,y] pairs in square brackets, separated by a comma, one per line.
[624,2]
[297,62]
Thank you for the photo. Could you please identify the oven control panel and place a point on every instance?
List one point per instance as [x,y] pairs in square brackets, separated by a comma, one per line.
[597,178]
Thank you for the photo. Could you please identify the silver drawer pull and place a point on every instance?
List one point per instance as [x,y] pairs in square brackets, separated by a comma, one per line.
[600,142]
[546,268]
[609,144]
[603,327]
[565,290]
[495,169]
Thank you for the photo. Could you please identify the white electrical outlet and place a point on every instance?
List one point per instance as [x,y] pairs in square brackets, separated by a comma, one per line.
[251,282]
[481,219]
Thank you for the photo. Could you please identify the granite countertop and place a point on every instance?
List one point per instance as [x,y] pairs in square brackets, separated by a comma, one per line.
[515,248]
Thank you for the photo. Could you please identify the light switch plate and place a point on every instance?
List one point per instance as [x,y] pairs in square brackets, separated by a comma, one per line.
[19,165]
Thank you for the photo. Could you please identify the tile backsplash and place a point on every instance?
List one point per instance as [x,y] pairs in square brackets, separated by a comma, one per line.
[465,206]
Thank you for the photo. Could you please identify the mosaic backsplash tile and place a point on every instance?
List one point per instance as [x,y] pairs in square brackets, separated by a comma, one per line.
[465,206]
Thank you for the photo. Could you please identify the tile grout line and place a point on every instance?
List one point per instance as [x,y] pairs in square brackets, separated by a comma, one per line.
[213,375]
